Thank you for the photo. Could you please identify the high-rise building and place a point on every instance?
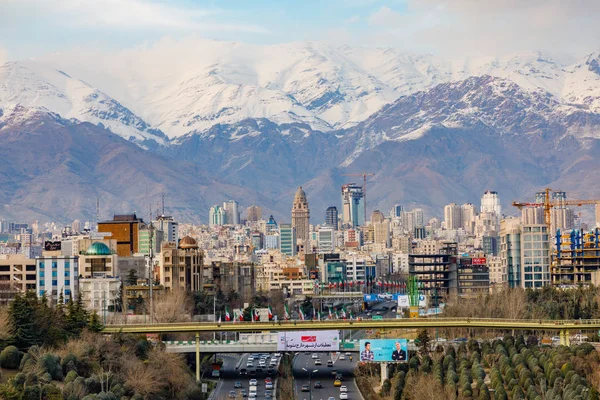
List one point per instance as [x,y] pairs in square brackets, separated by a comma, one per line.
[377,216]
[396,211]
[169,226]
[271,225]
[535,256]
[510,250]
[532,215]
[56,274]
[287,239]
[381,232]
[181,265]
[301,216]
[353,205]
[254,213]
[419,217]
[490,202]
[468,217]
[76,226]
[452,216]
[232,212]
[331,217]
[407,220]
[326,240]
[217,216]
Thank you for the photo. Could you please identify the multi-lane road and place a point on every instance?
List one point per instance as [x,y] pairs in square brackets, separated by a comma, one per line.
[304,363]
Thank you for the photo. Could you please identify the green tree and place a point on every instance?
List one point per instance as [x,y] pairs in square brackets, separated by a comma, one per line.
[95,325]
[10,358]
[423,341]
[132,278]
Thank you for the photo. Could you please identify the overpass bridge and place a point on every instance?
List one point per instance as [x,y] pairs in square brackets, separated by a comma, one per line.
[561,326]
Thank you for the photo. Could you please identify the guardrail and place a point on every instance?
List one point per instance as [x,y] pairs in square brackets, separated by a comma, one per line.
[418,323]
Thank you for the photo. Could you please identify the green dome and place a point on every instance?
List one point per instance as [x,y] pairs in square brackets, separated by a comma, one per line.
[98,249]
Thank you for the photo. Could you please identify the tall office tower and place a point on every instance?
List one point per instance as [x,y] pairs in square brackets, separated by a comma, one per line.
[490,202]
[301,216]
[353,205]
[561,218]
[331,217]
[169,226]
[287,239]
[254,213]
[407,219]
[217,216]
[232,211]
[535,256]
[452,216]
[510,250]
[532,215]
[419,217]
[271,225]
[468,217]
[396,211]
[377,217]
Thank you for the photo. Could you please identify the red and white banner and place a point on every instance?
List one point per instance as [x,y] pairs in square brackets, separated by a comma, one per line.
[308,341]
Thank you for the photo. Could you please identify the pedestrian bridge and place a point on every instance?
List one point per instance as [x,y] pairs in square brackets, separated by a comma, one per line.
[236,346]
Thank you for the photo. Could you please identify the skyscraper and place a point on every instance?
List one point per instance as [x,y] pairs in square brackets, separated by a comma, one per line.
[468,217]
[353,205]
[396,211]
[217,216]
[452,216]
[232,211]
[490,202]
[287,239]
[331,217]
[254,213]
[301,216]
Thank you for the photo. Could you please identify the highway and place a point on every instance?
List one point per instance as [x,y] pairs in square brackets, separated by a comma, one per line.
[323,374]
[230,373]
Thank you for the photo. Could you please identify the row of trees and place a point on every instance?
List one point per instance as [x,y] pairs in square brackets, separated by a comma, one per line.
[32,321]
[546,303]
[512,368]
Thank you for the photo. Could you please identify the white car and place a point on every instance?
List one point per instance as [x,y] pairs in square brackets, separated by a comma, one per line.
[342,357]
[314,355]
[250,359]
[253,382]
[344,396]
[343,389]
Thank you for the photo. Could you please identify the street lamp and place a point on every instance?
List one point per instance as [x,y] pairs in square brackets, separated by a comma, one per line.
[310,380]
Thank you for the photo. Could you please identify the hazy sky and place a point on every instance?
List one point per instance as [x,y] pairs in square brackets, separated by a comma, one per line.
[30,28]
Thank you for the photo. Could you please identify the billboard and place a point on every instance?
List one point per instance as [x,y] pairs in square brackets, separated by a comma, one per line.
[404,302]
[52,246]
[308,341]
[479,261]
[384,350]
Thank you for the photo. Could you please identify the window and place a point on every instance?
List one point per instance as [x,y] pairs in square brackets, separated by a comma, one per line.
[67,292]
[54,264]
[54,274]
[67,273]
[42,283]
[41,264]
[5,268]
[42,292]
[67,264]
[67,283]
[42,274]
[54,283]
[30,267]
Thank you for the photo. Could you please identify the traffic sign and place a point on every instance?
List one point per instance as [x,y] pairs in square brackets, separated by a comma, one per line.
[377,317]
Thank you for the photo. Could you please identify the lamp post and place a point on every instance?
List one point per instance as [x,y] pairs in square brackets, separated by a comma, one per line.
[310,380]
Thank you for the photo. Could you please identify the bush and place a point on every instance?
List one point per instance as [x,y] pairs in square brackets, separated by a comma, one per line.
[51,364]
[10,358]
[71,376]
[32,393]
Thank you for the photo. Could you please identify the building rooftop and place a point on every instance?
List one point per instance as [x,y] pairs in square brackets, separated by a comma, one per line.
[98,249]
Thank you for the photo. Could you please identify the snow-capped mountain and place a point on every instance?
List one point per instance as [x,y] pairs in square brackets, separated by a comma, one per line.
[188,87]
[32,86]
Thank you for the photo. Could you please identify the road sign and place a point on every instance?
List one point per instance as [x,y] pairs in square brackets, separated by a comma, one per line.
[377,317]
[205,388]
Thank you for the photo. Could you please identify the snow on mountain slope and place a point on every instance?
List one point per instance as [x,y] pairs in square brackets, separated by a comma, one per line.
[31,85]
[191,85]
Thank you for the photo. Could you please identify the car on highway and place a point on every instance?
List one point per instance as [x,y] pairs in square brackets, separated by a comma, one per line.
[348,353]
[342,357]
[343,388]
[232,394]
[318,385]
[268,379]
[253,382]
[344,396]
[329,363]
[270,371]
[237,385]
[331,398]
[318,362]
[250,359]
[337,383]
[269,385]
[243,393]
[252,395]
[339,377]
[305,388]
[314,356]
[243,371]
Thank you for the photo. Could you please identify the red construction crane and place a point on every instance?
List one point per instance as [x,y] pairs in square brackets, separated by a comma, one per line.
[364,175]
[548,205]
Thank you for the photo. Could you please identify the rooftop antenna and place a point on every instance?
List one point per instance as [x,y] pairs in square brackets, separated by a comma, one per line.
[163,202]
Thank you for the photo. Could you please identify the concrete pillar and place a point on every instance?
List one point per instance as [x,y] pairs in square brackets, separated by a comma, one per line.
[197,357]
[384,372]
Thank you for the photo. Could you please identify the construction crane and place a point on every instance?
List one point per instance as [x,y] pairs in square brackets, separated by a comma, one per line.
[364,175]
[548,205]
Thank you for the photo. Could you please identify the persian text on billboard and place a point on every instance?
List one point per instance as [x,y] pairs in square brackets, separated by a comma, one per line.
[479,261]
[384,350]
[403,301]
[308,340]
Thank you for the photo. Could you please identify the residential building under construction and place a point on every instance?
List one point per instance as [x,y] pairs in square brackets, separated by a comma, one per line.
[576,259]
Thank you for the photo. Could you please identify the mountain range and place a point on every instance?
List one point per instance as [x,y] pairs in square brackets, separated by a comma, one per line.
[251,123]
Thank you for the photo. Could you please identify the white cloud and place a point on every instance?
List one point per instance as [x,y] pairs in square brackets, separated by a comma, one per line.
[131,15]
[352,20]
[474,27]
